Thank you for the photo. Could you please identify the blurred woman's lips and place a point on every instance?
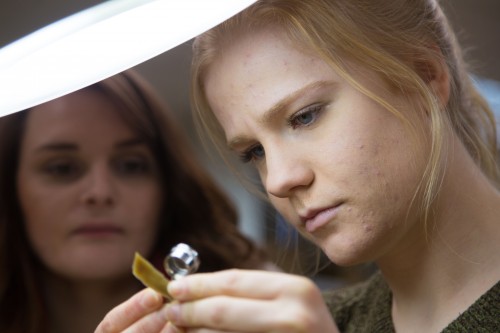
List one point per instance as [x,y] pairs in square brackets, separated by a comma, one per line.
[97,230]
[317,218]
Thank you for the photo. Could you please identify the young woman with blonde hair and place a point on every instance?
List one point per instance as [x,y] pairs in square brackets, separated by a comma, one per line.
[370,138]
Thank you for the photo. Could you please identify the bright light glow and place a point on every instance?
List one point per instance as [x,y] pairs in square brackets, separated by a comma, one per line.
[99,42]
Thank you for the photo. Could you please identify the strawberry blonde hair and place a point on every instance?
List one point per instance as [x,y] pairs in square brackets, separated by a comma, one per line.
[396,39]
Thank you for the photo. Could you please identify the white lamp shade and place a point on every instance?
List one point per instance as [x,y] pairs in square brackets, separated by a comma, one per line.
[99,42]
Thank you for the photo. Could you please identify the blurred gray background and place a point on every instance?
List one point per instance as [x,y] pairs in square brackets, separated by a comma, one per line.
[477,23]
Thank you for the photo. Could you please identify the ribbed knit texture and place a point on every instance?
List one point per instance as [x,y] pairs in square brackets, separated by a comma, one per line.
[366,308]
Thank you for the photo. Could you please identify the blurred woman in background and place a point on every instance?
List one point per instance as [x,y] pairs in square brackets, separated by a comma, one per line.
[88,179]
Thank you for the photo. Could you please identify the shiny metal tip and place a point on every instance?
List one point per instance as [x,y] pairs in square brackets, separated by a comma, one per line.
[181,261]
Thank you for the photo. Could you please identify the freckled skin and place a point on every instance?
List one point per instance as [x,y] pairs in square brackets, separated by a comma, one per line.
[355,152]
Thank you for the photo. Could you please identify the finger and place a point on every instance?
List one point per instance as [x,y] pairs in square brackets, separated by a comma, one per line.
[171,328]
[154,322]
[231,314]
[127,313]
[299,308]
[240,283]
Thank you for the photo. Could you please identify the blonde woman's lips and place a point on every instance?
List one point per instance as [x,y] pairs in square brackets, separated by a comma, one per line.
[319,218]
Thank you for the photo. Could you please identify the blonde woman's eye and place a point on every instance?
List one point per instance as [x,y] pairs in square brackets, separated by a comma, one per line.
[252,154]
[306,116]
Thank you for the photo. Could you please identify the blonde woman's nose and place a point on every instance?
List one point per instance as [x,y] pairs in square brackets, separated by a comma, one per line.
[286,173]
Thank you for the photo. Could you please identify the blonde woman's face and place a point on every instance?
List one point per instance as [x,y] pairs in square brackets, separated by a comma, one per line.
[88,187]
[336,164]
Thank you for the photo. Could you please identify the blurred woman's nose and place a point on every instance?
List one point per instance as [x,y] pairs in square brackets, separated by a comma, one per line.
[286,172]
[99,186]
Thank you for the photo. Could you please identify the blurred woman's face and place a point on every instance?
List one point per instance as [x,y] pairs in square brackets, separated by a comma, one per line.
[88,187]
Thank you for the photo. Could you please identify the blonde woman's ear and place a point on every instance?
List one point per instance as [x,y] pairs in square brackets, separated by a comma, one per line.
[434,71]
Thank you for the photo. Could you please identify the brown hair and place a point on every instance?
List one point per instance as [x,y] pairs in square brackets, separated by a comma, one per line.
[396,39]
[194,210]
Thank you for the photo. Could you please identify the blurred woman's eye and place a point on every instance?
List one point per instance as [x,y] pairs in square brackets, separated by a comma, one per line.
[132,166]
[62,169]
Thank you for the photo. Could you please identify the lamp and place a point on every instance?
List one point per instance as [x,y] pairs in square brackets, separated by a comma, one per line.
[99,42]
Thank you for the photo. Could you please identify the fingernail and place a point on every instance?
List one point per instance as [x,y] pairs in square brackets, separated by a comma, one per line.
[151,299]
[172,312]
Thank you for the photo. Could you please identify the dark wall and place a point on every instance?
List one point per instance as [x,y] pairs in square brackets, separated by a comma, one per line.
[477,23]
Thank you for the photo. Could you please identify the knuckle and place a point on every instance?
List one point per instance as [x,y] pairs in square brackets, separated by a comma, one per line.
[231,281]
[187,316]
[296,320]
[217,315]
[305,287]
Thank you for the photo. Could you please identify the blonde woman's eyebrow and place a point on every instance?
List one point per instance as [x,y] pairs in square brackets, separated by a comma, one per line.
[238,141]
[279,107]
[285,102]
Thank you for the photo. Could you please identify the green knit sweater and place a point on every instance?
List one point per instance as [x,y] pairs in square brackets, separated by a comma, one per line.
[367,308]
